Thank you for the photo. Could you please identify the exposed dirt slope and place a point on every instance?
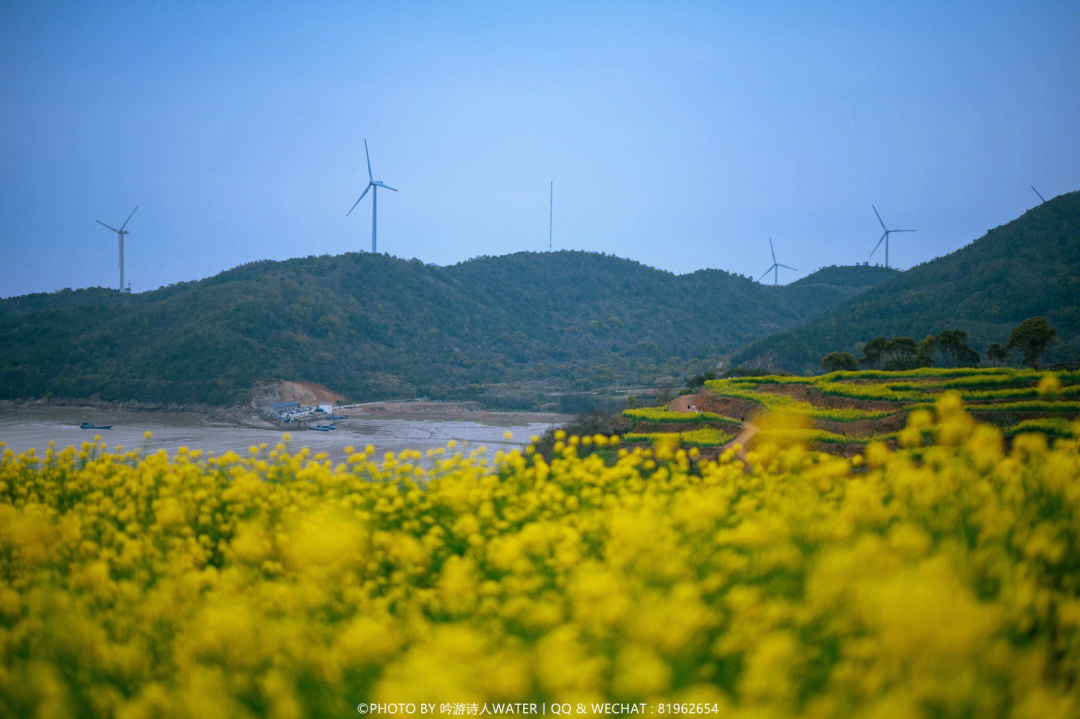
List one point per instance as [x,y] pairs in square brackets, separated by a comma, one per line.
[306,393]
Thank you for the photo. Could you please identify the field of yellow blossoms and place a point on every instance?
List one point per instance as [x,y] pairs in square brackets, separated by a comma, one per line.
[934,581]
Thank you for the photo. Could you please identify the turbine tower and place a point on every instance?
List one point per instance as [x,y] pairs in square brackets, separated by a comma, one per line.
[551,211]
[884,237]
[372,183]
[775,267]
[1041,198]
[120,235]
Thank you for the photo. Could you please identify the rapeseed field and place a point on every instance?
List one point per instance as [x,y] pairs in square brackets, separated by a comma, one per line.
[938,580]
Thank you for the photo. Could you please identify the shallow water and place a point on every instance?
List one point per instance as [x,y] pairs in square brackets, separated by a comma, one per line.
[23,428]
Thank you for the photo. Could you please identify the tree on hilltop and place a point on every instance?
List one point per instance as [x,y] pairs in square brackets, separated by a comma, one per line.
[997,353]
[1032,337]
[836,361]
[901,351]
[924,357]
[953,346]
[873,351]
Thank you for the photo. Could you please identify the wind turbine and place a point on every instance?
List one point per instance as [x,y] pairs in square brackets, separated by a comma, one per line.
[551,211]
[372,183]
[775,268]
[884,237]
[1043,199]
[120,235]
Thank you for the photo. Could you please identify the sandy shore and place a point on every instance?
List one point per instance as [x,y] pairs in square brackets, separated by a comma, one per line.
[389,426]
[465,411]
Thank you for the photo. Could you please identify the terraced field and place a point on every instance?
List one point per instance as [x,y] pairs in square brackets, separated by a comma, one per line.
[687,426]
[841,412]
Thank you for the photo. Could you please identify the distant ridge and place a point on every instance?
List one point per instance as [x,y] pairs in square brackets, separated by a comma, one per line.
[1028,267]
[858,276]
[506,330]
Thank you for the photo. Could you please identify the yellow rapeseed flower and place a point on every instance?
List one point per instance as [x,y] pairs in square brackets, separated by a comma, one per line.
[938,578]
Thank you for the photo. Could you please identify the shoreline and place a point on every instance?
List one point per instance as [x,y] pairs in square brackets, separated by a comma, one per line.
[246,416]
[389,427]
[441,411]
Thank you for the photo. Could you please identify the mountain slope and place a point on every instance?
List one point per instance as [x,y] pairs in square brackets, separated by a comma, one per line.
[371,326]
[1028,267]
[858,277]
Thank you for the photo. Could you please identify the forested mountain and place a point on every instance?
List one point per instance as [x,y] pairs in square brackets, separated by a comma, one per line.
[503,329]
[1028,267]
[857,277]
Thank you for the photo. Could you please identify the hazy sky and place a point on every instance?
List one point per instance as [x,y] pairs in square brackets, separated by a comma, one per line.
[682,135]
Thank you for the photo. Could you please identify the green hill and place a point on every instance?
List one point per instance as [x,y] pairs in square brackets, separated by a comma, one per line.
[858,277]
[1028,267]
[506,330]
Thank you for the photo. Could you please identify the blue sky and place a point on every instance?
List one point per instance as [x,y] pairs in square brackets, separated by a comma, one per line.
[681,135]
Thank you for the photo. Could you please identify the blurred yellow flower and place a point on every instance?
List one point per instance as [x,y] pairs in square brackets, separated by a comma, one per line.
[936,579]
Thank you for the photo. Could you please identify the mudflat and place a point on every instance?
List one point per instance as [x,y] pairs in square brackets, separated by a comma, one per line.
[389,427]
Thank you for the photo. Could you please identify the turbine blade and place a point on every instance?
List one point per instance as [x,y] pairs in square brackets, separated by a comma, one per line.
[379,184]
[879,218]
[759,279]
[787,266]
[104,225]
[1037,193]
[358,201]
[370,177]
[772,251]
[903,230]
[129,218]
[879,243]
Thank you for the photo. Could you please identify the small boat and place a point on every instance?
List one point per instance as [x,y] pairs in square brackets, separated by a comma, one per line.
[87,425]
[341,416]
[322,428]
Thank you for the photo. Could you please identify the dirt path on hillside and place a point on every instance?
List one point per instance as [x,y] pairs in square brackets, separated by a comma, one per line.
[707,403]
[748,431]
[682,403]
